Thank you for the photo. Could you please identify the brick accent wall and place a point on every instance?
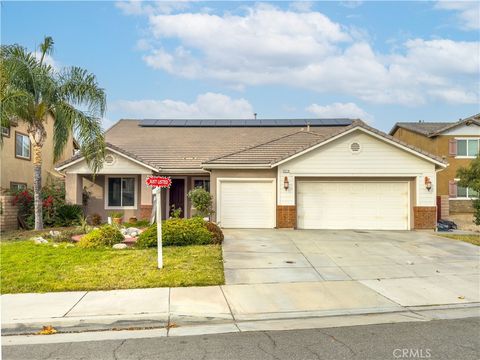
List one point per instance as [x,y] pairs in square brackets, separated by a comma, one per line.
[145,212]
[8,213]
[286,216]
[460,206]
[445,206]
[424,217]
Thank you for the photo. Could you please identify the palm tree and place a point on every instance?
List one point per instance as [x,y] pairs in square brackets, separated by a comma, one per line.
[33,91]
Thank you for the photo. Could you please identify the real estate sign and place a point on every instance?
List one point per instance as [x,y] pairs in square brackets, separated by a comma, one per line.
[159,182]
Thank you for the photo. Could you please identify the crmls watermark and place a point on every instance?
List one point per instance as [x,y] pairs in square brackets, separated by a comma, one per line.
[412,353]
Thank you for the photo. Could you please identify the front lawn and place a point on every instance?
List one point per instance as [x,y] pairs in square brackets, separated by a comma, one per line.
[27,267]
[470,238]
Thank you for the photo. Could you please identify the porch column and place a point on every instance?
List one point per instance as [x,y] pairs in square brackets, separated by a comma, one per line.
[145,198]
[73,188]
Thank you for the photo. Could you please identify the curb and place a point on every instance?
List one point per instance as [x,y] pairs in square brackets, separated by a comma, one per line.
[174,322]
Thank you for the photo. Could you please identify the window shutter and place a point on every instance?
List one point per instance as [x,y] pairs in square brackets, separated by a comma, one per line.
[452,188]
[452,147]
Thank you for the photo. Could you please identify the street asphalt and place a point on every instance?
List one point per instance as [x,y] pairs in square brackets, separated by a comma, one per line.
[438,339]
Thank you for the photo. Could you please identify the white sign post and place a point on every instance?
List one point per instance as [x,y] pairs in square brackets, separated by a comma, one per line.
[159,227]
[159,182]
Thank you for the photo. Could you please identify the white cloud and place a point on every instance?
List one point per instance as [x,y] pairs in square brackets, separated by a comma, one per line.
[352,4]
[271,46]
[468,12]
[48,60]
[208,105]
[340,110]
[301,6]
[139,7]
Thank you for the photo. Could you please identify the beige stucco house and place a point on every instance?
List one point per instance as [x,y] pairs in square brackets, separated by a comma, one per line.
[16,157]
[307,174]
[458,143]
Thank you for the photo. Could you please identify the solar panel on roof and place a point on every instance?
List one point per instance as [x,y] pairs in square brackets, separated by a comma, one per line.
[163,122]
[238,122]
[222,122]
[147,122]
[244,122]
[192,123]
[207,122]
[267,122]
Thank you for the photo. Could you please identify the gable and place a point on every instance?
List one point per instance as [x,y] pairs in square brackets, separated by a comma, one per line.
[464,130]
[375,156]
[120,165]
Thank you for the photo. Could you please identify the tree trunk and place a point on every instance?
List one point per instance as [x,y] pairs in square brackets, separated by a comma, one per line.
[37,186]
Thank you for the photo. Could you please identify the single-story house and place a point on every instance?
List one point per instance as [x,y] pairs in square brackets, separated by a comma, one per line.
[305,174]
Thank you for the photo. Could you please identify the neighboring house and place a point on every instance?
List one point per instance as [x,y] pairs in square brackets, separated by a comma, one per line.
[306,174]
[457,143]
[17,161]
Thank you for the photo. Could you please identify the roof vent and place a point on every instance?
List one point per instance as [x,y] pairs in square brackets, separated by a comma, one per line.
[109,159]
[355,147]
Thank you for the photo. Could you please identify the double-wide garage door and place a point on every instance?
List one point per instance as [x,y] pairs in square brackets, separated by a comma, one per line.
[246,203]
[353,205]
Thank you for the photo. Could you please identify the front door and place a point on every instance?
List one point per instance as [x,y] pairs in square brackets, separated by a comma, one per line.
[177,196]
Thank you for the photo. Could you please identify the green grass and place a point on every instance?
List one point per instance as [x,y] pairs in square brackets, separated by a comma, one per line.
[471,238]
[27,267]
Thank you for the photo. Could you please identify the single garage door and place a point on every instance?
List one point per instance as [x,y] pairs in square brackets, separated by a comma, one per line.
[246,203]
[353,205]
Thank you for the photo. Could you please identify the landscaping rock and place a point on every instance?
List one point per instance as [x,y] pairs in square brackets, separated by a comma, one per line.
[119,246]
[39,240]
[54,233]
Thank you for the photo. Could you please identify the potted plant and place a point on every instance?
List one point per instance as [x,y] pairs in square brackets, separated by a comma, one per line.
[116,217]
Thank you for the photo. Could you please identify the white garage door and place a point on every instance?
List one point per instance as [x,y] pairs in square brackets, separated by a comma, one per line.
[353,205]
[246,204]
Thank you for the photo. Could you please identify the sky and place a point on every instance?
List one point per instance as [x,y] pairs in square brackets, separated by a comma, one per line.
[381,62]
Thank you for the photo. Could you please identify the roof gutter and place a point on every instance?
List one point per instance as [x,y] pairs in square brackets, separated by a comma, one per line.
[237,166]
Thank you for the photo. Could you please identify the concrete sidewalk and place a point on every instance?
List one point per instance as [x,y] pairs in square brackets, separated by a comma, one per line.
[230,304]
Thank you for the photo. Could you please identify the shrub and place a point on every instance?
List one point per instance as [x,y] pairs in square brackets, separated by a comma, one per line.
[68,215]
[177,232]
[95,219]
[201,201]
[53,197]
[106,235]
[137,224]
[217,233]
[116,214]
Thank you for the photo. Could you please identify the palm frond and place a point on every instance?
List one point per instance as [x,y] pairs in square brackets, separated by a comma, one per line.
[88,130]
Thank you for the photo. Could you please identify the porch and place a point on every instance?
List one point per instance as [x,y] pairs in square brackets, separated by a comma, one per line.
[128,193]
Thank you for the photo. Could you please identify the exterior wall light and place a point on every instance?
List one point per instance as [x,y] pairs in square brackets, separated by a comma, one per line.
[428,183]
[285,183]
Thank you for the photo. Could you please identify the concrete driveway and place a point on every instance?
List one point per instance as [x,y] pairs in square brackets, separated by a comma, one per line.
[287,256]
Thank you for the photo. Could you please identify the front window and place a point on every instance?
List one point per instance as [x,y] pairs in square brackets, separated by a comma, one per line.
[5,131]
[465,192]
[15,186]
[468,147]
[22,146]
[202,183]
[121,192]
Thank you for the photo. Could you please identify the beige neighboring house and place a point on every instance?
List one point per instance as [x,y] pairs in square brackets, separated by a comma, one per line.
[16,155]
[16,167]
[458,143]
[299,173]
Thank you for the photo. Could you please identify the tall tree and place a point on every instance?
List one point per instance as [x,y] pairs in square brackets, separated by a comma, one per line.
[470,177]
[34,91]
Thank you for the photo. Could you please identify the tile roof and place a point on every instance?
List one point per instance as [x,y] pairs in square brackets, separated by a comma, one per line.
[272,152]
[193,148]
[188,147]
[431,129]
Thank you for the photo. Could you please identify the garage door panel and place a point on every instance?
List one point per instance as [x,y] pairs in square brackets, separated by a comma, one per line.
[353,205]
[247,204]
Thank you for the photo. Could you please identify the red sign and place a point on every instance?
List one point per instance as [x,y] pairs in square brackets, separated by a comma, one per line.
[159,181]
